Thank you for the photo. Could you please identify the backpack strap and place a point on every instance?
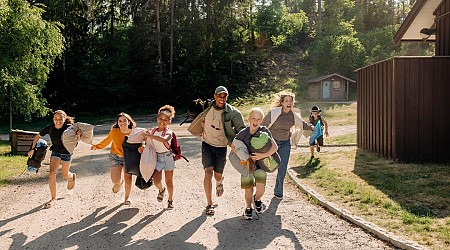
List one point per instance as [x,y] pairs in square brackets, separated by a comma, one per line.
[166,144]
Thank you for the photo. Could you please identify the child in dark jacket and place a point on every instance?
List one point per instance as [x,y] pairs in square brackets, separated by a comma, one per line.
[314,118]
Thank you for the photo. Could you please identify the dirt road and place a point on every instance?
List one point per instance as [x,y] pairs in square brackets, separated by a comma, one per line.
[91,216]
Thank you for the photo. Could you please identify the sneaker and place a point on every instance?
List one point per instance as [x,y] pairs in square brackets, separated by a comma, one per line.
[318,148]
[169,205]
[248,214]
[279,197]
[312,157]
[258,205]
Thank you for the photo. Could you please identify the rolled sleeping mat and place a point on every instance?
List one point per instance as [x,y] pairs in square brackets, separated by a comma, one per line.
[241,149]
[240,166]
[131,157]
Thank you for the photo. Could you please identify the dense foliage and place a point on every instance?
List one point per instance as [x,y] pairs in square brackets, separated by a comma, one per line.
[121,54]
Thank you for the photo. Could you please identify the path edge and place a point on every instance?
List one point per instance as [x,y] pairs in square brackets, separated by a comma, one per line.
[367,226]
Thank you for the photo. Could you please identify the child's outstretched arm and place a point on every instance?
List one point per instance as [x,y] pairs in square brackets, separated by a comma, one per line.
[325,123]
[271,151]
[36,139]
[105,142]
[162,139]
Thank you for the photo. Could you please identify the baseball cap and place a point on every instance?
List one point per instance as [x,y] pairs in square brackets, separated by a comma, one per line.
[220,90]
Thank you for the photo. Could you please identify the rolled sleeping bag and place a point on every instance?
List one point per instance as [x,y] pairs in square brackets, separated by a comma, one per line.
[270,164]
[39,154]
[131,157]
[260,142]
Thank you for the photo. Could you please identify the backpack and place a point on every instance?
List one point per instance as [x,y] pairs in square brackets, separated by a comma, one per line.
[174,147]
[195,107]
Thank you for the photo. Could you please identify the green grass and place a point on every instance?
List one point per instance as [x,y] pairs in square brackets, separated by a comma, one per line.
[10,165]
[410,200]
[342,139]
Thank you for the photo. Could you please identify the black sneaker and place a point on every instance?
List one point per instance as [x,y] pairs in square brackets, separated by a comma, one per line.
[318,148]
[258,205]
[248,214]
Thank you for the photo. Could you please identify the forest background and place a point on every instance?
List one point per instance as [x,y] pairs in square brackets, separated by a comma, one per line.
[92,56]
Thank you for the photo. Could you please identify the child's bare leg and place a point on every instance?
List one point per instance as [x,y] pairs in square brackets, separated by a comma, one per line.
[157,176]
[168,175]
[116,174]
[128,179]
[54,166]
[70,177]
[311,149]
[260,189]
[248,197]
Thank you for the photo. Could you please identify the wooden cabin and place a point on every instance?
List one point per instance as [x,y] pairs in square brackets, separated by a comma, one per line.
[404,102]
[333,87]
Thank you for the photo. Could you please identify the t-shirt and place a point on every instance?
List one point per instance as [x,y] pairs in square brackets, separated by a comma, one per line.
[159,146]
[55,137]
[213,132]
[245,136]
[314,122]
[281,128]
[117,139]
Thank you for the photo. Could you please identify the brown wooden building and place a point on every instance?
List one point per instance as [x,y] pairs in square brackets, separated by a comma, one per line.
[333,87]
[404,102]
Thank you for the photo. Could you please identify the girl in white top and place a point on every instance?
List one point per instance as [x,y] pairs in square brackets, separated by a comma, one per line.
[162,136]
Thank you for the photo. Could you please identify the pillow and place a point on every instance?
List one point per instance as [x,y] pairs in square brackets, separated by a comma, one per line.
[69,138]
[87,132]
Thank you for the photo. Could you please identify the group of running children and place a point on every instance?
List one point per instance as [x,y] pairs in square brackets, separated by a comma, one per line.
[165,162]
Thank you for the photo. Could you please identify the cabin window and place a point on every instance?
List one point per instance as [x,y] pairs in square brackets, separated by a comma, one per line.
[336,85]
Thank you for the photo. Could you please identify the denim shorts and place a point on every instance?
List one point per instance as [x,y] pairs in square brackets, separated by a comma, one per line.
[115,160]
[165,161]
[62,157]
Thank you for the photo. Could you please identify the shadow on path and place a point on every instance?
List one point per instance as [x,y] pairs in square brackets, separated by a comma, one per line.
[176,239]
[237,233]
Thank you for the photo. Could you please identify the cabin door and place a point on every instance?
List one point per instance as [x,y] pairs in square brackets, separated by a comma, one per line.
[326,89]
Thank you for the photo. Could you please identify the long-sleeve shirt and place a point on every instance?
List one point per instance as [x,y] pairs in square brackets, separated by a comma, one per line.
[117,139]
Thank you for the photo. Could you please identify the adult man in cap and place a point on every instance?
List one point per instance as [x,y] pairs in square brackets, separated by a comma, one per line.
[217,125]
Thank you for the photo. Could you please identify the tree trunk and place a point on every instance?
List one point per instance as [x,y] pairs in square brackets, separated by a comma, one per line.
[172,23]
[158,29]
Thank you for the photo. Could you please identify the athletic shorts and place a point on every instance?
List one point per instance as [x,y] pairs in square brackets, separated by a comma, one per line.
[165,161]
[258,176]
[319,141]
[62,157]
[115,160]
[214,157]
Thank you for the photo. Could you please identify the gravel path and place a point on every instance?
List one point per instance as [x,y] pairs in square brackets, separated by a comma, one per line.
[91,216]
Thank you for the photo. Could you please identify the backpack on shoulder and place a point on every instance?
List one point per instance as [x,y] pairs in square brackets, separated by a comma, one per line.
[174,147]
[194,108]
